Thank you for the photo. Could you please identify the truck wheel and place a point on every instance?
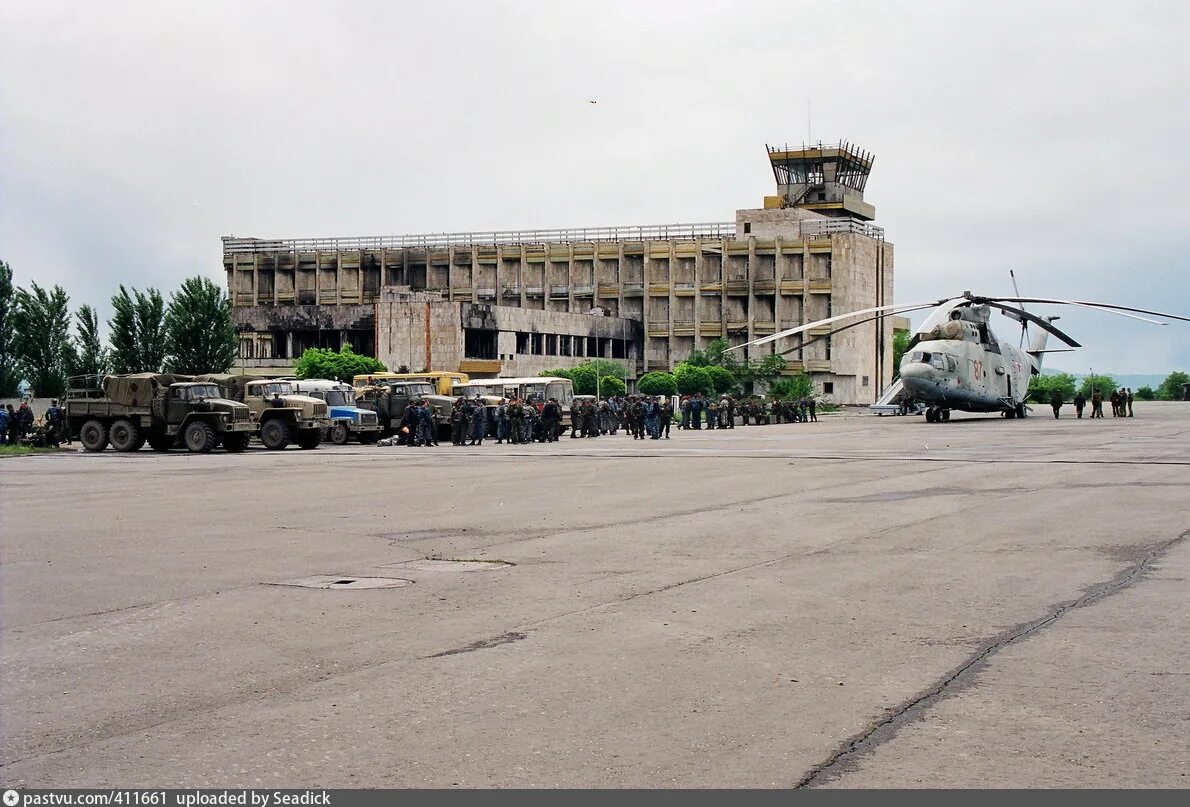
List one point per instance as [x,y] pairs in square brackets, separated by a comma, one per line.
[160,442]
[309,438]
[124,435]
[199,437]
[275,435]
[93,435]
[339,434]
[235,442]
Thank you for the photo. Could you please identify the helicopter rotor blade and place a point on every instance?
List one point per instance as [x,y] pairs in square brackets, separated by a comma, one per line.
[1041,323]
[1107,307]
[833,331]
[886,310]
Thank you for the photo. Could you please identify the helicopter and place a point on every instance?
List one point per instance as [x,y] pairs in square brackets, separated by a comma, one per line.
[955,362]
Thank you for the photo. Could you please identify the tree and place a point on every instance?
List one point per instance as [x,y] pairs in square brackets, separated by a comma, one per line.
[901,341]
[657,384]
[1146,394]
[1171,387]
[1041,387]
[610,386]
[10,371]
[318,362]
[137,331]
[41,337]
[200,337]
[722,379]
[691,379]
[605,367]
[765,371]
[1103,383]
[90,356]
[799,386]
[583,378]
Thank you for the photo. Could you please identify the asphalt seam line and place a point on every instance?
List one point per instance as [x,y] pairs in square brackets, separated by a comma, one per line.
[843,759]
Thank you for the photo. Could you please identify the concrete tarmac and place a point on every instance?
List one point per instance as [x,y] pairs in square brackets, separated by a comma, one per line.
[862,602]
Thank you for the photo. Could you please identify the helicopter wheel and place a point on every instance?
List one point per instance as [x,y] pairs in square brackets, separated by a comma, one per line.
[944,415]
[1020,410]
[931,415]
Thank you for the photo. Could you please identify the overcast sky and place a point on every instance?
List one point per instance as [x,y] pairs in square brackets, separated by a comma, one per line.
[1050,138]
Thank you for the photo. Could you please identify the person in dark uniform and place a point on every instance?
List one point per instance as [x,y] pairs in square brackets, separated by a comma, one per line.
[408,428]
[1128,400]
[1056,401]
[479,423]
[55,420]
[1079,403]
[667,415]
[516,421]
[1096,404]
[551,416]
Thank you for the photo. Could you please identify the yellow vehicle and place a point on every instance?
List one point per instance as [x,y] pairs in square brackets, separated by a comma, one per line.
[443,381]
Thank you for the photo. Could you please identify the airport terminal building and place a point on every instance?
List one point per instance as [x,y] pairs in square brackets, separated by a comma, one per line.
[514,303]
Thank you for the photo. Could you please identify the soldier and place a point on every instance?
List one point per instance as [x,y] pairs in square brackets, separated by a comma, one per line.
[502,421]
[653,419]
[551,416]
[638,419]
[426,426]
[1115,404]
[576,419]
[55,421]
[696,405]
[408,428]
[667,415]
[1096,403]
[590,419]
[516,421]
[479,423]
[1128,400]
[1056,401]
[457,419]
[712,414]
[812,406]
[532,429]
[1079,402]
[684,407]
[23,421]
[728,405]
[4,421]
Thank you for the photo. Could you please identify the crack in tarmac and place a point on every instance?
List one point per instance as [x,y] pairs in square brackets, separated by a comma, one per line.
[844,759]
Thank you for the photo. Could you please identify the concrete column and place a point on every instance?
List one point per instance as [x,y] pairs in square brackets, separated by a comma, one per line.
[750,271]
[496,282]
[698,266]
[450,274]
[672,302]
[645,304]
[524,267]
[570,278]
[338,276]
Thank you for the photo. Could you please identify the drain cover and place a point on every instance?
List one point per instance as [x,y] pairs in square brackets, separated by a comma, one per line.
[444,565]
[339,581]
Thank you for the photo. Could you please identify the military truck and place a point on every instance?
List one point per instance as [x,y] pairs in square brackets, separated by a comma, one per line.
[388,399]
[280,414]
[347,419]
[160,408]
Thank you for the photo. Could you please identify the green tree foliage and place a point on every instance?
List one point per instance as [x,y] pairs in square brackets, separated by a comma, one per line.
[714,355]
[610,386]
[1041,387]
[722,379]
[583,378]
[90,356]
[585,375]
[138,338]
[901,341]
[1104,383]
[657,384]
[317,362]
[200,337]
[691,379]
[10,372]
[1146,394]
[41,335]
[1171,387]
[799,386]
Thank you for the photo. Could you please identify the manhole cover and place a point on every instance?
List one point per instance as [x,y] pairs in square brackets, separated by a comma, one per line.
[341,581]
[445,565]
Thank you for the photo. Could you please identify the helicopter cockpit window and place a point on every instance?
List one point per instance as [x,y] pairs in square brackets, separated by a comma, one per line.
[938,362]
[919,357]
[952,364]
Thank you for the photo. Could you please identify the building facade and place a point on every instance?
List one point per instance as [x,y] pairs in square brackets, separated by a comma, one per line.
[517,302]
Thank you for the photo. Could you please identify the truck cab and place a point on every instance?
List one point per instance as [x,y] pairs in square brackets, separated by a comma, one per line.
[347,419]
[388,398]
[280,413]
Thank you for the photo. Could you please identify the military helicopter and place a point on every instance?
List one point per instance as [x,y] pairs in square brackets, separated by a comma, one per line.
[955,361]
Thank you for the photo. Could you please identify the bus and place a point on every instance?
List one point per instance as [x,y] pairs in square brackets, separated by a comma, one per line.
[444,382]
[536,390]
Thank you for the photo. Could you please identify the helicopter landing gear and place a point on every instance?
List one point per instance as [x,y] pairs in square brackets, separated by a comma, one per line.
[1021,411]
[937,414]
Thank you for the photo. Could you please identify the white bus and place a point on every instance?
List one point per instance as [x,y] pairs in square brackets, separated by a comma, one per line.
[535,390]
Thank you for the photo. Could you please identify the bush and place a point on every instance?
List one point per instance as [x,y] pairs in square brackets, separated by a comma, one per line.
[657,384]
[610,386]
[1146,394]
[1103,383]
[317,362]
[797,387]
[691,379]
[1171,387]
[722,379]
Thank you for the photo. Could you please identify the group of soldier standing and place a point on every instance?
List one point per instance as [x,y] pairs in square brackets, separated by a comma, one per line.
[1121,403]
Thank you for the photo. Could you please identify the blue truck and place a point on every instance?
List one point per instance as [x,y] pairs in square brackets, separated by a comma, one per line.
[348,421]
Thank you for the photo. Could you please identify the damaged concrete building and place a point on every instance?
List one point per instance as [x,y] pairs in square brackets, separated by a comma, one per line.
[516,302]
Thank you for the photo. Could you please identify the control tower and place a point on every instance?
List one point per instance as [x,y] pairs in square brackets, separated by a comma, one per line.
[826,178]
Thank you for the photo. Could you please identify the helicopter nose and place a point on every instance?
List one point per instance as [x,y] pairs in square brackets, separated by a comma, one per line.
[917,370]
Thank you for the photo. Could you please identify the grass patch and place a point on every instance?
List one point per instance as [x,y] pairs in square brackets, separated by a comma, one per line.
[21,451]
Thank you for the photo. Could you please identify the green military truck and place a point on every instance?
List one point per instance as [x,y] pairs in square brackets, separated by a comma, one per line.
[126,411]
[389,397]
[280,414]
